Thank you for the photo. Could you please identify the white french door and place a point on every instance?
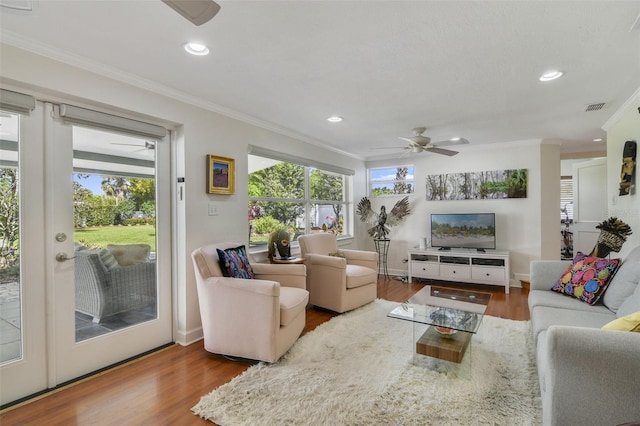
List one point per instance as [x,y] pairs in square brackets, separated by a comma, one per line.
[23,360]
[134,328]
[62,339]
[589,202]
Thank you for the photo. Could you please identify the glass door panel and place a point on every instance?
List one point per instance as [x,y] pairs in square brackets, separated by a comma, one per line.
[10,283]
[114,211]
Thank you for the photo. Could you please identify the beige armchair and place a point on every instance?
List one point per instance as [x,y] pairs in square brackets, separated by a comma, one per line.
[258,318]
[338,283]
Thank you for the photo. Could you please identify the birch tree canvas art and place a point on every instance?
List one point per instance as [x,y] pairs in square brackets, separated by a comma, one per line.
[495,184]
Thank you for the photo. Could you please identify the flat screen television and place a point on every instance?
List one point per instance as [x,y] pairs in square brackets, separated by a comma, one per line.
[463,230]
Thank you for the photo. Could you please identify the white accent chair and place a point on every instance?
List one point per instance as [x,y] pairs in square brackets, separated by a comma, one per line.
[338,283]
[257,319]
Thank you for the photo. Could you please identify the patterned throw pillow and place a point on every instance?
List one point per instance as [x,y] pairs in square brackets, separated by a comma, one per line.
[108,259]
[587,278]
[234,263]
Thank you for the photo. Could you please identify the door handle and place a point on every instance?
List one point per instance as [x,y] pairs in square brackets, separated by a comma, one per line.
[62,256]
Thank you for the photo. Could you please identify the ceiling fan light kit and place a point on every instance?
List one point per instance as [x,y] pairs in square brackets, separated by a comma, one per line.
[419,143]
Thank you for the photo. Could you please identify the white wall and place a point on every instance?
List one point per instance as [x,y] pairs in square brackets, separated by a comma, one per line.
[624,126]
[527,227]
[198,132]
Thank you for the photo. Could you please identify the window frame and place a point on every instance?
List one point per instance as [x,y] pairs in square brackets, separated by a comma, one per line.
[566,198]
[371,182]
[308,202]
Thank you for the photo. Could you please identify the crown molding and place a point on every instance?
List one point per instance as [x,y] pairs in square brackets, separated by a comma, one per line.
[632,102]
[12,39]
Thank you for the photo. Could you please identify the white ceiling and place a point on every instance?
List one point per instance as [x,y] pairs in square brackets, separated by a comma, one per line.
[466,69]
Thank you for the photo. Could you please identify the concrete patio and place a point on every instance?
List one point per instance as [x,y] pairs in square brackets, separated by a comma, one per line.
[11,322]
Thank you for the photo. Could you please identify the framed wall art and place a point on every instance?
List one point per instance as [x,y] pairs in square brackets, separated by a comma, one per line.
[221,172]
[493,184]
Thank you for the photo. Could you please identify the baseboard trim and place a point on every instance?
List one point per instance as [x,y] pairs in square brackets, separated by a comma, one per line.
[186,338]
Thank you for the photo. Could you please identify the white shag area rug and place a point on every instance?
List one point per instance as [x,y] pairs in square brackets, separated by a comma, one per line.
[356,370]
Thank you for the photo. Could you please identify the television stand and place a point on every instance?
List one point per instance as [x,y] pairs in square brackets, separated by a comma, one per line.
[465,266]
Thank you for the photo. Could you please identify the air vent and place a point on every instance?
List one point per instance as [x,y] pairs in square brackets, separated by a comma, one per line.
[594,107]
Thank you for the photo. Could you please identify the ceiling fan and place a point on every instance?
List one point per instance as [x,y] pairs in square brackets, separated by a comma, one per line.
[196,11]
[419,143]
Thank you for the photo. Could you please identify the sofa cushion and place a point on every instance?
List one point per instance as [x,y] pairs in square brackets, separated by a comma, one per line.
[543,317]
[555,300]
[631,304]
[624,282]
[234,263]
[629,322]
[293,301]
[130,254]
[587,278]
[357,276]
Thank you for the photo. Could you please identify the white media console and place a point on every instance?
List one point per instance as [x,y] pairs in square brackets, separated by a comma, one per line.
[462,265]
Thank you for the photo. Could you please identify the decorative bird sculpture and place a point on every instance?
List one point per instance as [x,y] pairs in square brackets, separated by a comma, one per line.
[383,220]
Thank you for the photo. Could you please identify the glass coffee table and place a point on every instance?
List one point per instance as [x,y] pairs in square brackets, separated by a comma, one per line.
[444,320]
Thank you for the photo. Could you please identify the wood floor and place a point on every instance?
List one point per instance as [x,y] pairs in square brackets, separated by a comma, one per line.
[161,388]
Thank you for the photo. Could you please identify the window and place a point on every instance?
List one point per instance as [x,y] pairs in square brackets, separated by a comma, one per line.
[391,181]
[566,199]
[303,198]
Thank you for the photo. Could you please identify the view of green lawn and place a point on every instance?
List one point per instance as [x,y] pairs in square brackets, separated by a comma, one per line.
[101,236]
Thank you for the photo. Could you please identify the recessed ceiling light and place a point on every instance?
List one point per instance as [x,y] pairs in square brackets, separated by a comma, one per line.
[551,75]
[334,119]
[455,139]
[196,49]
[597,140]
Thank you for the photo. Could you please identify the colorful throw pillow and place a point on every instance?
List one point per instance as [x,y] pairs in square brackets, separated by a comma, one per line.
[234,263]
[587,278]
[629,322]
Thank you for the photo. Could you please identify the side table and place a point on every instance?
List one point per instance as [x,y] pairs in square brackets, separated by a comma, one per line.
[382,248]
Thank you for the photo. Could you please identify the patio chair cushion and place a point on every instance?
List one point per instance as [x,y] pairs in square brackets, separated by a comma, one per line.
[130,254]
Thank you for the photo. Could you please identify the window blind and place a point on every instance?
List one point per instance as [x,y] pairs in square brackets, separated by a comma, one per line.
[281,156]
[16,102]
[566,197]
[76,115]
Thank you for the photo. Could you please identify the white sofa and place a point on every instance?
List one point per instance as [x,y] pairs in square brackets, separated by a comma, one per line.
[588,376]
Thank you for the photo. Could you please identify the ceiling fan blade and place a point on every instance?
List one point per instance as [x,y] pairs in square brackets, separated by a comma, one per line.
[390,147]
[196,11]
[461,141]
[441,151]
[411,141]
